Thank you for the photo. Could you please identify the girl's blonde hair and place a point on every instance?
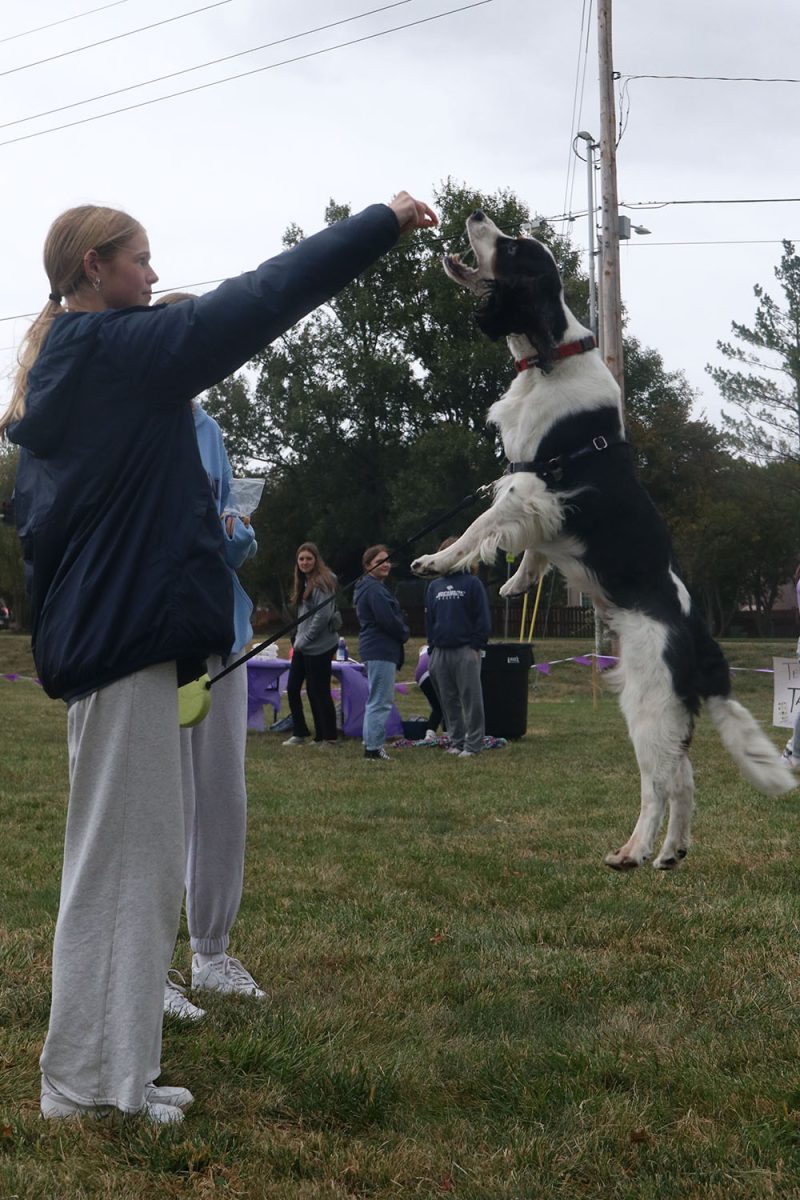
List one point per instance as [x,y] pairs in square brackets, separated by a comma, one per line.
[321,576]
[70,237]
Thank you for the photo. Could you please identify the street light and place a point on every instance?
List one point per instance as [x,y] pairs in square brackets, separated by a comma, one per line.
[624,226]
[626,229]
[591,146]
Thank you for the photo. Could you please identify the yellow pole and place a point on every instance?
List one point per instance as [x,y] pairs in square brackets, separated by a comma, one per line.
[524,614]
[535,607]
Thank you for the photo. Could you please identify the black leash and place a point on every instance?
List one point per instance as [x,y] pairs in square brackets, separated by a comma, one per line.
[465,503]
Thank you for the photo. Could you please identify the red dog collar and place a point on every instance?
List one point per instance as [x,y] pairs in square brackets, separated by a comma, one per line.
[569,348]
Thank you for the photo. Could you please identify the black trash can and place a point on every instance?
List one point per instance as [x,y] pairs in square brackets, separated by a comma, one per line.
[505,673]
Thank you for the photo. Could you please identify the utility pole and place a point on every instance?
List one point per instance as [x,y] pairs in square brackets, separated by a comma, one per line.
[610,297]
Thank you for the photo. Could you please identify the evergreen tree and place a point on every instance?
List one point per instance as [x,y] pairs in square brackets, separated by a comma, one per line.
[767,393]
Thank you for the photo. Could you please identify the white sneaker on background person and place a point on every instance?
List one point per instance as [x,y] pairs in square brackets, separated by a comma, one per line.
[295,741]
[224,974]
[177,1003]
[789,758]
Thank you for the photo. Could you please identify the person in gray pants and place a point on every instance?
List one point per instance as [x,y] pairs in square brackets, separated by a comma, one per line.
[458,623]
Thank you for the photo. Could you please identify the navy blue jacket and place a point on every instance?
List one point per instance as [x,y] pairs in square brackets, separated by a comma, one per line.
[382,630]
[457,612]
[120,533]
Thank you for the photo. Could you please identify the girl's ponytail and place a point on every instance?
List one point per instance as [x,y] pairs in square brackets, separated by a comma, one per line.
[28,353]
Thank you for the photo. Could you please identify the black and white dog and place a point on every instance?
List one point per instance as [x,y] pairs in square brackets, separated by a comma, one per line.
[571,498]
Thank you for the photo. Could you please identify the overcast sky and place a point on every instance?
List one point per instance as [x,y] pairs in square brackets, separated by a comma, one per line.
[491,96]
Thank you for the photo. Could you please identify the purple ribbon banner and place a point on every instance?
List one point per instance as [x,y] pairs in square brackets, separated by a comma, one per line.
[604,661]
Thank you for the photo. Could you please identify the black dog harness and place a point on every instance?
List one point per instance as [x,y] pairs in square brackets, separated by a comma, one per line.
[551,470]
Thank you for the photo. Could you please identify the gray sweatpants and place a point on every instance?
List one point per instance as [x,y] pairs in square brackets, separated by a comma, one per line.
[121,891]
[456,675]
[215,812]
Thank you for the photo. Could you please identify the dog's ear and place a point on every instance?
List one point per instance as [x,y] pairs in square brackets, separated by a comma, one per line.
[526,306]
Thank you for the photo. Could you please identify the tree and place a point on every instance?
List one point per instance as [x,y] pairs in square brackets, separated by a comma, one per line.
[767,394]
[747,537]
[678,457]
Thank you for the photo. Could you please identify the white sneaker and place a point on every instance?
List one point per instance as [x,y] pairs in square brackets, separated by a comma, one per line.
[177,1003]
[790,759]
[57,1107]
[226,975]
[453,750]
[295,741]
[430,735]
[467,754]
[172,1097]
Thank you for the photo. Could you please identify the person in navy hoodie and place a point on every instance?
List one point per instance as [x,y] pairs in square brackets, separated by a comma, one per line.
[130,594]
[382,635]
[458,623]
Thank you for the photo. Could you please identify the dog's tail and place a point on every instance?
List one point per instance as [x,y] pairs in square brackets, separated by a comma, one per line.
[749,747]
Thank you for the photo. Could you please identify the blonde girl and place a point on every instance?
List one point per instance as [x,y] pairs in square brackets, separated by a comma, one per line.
[130,595]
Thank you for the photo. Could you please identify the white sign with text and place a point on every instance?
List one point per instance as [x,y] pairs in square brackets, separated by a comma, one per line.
[786,695]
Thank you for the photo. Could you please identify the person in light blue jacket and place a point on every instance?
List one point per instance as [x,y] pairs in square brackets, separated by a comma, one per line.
[213,773]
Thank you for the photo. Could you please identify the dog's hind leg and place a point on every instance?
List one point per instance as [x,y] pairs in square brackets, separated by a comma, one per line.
[666,776]
[659,725]
[639,845]
[681,807]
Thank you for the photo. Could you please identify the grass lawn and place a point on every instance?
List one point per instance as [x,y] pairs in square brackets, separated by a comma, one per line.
[465,1002]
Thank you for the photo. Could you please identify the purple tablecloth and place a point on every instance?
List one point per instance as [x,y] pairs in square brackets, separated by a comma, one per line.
[266,681]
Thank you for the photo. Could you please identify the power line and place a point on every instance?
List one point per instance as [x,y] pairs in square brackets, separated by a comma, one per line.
[116,38]
[577,104]
[667,203]
[181,287]
[643,244]
[711,78]
[656,204]
[64,20]
[211,63]
[245,74]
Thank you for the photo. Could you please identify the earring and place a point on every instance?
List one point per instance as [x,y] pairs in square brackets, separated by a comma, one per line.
[96,284]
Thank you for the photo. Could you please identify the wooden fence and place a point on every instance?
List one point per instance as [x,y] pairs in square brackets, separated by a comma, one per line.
[561,621]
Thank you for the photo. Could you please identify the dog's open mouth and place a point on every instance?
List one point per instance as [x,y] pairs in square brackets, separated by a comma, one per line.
[469,277]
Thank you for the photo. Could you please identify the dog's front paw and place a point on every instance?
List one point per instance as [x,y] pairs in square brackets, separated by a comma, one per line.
[425,566]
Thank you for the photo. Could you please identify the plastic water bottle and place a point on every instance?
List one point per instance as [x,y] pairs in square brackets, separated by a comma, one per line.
[341,651]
